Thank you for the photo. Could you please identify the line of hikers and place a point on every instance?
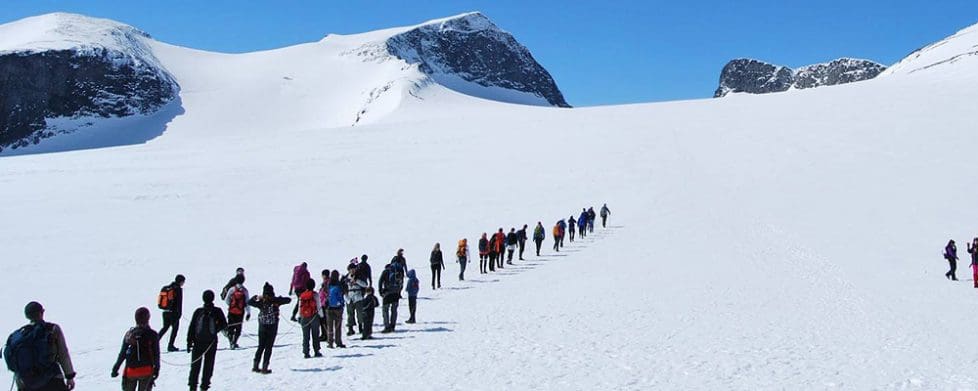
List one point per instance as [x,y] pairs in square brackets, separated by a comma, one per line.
[38,355]
[951,255]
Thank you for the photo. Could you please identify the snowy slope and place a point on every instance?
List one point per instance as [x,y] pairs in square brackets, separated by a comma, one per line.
[956,55]
[786,241]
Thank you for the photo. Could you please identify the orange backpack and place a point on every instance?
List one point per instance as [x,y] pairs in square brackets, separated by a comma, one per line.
[307,304]
[462,248]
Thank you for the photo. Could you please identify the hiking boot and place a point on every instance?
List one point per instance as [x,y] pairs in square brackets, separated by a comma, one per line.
[172,348]
[341,346]
[306,355]
[329,346]
[266,371]
[351,332]
[411,321]
[318,354]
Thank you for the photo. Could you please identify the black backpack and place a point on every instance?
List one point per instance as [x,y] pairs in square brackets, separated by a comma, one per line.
[206,327]
[141,350]
[28,354]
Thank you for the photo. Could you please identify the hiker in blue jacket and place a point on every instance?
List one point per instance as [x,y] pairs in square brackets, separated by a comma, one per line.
[582,223]
[413,286]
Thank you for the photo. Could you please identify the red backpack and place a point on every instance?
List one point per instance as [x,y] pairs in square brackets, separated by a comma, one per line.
[307,304]
[237,305]
[167,294]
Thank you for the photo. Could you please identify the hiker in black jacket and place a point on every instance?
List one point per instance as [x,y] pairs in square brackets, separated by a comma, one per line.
[141,352]
[367,307]
[231,283]
[205,325]
[390,291]
[364,272]
[521,238]
[268,317]
[172,314]
[512,240]
[437,264]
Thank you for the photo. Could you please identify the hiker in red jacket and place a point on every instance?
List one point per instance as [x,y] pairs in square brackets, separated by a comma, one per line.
[500,245]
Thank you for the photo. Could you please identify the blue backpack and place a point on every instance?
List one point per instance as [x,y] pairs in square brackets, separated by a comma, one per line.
[336,296]
[28,354]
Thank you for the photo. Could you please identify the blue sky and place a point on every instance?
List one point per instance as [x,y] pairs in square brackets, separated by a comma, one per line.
[600,52]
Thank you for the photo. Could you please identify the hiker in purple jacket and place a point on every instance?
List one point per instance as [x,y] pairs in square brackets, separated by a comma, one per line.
[299,277]
[951,254]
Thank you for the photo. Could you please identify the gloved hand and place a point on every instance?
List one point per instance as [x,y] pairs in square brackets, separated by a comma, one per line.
[115,373]
[70,383]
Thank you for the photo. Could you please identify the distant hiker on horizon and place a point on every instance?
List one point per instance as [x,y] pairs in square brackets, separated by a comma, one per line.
[224,291]
[238,311]
[141,352]
[538,235]
[483,254]
[437,264]
[38,356]
[572,224]
[268,306]
[521,240]
[605,212]
[973,250]
[951,254]
[171,302]
[462,256]
[300,274]
[202,340]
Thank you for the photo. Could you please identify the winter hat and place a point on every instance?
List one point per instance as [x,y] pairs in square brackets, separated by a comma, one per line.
[32,310]
[142,316]
[268,290]
[208,296]
[240,270]
[180,278]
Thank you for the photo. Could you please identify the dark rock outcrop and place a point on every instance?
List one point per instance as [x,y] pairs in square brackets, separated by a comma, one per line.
[65,83]
[758,77]
[472,48]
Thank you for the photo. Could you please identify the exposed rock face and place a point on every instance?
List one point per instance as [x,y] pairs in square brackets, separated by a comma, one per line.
[473,48]
[758,77]
[64,65]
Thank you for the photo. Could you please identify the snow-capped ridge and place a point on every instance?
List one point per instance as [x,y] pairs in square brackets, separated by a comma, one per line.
[66,31]
[956,53]
[754,76]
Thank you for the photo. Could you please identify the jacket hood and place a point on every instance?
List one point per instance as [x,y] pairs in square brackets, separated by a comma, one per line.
[411,273]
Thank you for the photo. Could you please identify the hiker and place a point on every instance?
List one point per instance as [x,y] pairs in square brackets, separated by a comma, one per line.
[437,264]
[563,231]
[268,312]
[349,284]
[951,255]
[141,352]
[334,312]
[38,354]
[238,310]
[573,227]
[390,292]
[591,216]
[231,283]
[364,272]
[413,286]
[355,288]
[538,235]
[483,253]
[500,247]
[462,254]
[207,321]
[323,300]
[557,232]
[492,253]
[310,313]
[973,250]
[605,212]
[366,307]
[511,242]
[582,223]
[521,240]
[300,274]
[171,302]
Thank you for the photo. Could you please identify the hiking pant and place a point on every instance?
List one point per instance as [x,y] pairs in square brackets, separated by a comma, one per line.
[561,240]
[266,340]
[203,353]
[509,255]
[144,383]
[295,310]
[499,260]
[483,260]
[461,269]
[170,320]
[334,326]
[590,225]
[234,328]
[310,330]
[492,262]
[367,322]
[323,327]
[56,384]
[435,275]
[557,243]
[954,267]
[604,221]
[582,230]
[389,310]
[351,315]
[974,273]
[358,313]
[538,242]
[412,306]
[571,234]
[522,247]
